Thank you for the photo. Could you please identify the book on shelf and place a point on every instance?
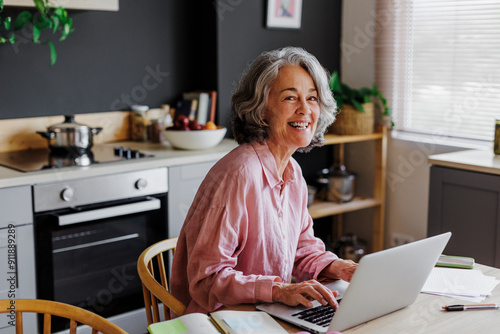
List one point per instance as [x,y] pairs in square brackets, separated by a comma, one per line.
[226,322]
[206,100]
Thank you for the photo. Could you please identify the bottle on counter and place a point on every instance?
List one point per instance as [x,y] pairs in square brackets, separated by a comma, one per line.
[139,123]
[496,143]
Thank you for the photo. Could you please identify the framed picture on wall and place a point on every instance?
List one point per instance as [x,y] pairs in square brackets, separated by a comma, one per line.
[285,14]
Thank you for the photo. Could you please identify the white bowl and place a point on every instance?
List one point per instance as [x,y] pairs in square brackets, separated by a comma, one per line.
[195,139]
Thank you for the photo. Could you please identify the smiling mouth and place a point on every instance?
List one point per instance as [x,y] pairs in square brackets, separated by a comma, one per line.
[299,125]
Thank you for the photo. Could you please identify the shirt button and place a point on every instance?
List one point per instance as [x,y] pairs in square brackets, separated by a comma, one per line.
[280,214]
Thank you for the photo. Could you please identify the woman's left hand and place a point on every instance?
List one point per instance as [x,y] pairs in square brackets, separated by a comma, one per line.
[343,269]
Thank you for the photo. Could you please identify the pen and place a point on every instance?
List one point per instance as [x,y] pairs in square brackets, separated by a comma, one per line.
[471,307]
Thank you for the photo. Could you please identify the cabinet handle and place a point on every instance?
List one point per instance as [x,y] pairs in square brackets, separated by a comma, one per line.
[115,211]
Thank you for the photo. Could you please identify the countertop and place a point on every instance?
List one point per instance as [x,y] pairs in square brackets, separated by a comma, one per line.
[164,156]
[484,161]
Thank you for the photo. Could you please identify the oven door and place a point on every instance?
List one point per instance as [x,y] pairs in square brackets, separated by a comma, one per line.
[88,256]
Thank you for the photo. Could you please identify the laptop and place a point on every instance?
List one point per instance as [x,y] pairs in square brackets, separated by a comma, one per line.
[384,282]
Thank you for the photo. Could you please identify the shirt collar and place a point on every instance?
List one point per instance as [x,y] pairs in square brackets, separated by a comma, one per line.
[269,166]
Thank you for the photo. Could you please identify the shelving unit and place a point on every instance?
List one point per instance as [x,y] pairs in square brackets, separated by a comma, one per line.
[321,209]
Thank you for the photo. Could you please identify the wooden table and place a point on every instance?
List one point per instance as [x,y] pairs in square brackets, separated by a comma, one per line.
[426,316]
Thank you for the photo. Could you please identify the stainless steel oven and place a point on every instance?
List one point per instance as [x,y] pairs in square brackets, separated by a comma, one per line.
[89,234]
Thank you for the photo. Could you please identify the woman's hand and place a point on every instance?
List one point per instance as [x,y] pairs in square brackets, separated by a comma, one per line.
[293,294]
[343,269]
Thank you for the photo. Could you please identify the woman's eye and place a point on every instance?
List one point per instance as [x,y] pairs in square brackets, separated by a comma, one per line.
[290,98]
[313,98]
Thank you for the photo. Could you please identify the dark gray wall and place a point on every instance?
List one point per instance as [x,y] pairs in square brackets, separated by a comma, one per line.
[242,36]
[107,63]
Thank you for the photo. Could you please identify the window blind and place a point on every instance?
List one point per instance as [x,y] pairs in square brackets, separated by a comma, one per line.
[438,63]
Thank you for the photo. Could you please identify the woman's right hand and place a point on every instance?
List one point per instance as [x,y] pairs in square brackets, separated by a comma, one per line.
[293,294]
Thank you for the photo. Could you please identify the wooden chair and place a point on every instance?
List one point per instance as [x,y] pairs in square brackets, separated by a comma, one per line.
[50,308]
[153,290]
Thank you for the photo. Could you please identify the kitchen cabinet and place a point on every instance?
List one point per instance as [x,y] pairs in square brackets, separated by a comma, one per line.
[466,203]
[17,255]
[71,4]
[183,182]
[321,209]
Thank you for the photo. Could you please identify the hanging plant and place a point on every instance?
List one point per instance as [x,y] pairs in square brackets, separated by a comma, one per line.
[46,17]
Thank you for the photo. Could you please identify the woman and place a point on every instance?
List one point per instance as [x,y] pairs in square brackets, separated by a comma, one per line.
[248,231]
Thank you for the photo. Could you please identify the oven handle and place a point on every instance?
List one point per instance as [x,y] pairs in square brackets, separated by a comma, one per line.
[115,211]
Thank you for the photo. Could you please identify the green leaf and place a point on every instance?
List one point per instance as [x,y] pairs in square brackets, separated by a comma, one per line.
[42,22]
[22,20]
[53,53]
[12,39]
[40,5]
[55,23]
[36,35]
[335,82]
[7,22]
[2,40]
[59,12]
[358,106]
[66,31]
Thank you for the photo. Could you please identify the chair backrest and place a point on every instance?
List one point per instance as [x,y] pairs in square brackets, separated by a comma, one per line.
[50,308]
[153,290]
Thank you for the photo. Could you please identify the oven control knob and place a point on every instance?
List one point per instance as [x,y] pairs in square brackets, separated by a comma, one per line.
[141,184]
[67,194]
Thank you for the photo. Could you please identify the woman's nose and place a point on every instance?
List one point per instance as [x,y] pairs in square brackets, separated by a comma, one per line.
[303,108]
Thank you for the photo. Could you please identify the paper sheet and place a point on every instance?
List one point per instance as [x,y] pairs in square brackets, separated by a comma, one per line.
[470,285]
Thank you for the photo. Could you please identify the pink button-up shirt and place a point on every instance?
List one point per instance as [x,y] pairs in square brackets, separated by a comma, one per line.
[247,227]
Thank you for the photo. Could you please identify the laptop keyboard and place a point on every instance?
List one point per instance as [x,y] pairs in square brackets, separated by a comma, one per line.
[320,315]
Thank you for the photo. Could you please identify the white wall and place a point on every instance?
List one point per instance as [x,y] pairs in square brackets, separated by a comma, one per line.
[407,167]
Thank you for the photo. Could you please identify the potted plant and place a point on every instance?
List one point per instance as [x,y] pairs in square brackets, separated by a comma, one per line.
[45,17]
[357,108]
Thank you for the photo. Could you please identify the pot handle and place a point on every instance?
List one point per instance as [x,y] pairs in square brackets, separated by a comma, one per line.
[47,135]
[96,131]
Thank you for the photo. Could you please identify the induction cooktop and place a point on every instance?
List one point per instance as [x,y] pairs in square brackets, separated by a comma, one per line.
[43,159]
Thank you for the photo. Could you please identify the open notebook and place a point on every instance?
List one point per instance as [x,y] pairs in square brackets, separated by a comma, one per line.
[227,322]
[384,282]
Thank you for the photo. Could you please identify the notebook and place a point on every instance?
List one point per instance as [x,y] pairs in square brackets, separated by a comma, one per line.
[384,282]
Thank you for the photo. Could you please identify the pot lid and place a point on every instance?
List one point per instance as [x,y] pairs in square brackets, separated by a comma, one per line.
[339,170]
[69,124]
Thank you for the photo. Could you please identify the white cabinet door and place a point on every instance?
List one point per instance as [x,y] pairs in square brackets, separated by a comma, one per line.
[17,273]
[183,184]
[17,254]
[15,206]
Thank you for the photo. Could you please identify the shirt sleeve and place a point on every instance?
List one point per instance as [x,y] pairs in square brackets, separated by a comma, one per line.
[311,257]
[213,281]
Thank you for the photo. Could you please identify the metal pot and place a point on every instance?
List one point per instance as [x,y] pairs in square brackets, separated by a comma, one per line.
[341,185]
[70,136]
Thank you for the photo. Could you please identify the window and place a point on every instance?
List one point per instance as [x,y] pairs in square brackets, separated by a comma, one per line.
[438,62]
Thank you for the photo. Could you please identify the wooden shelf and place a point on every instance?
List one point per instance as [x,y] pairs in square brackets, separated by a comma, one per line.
[336,139]
[321,209]
[377,201]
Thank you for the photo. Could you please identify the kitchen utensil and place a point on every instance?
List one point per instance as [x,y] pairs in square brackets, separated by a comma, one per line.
[70,135]
[341,184]
[322,184]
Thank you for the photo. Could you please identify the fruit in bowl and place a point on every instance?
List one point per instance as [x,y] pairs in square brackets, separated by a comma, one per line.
[189,135]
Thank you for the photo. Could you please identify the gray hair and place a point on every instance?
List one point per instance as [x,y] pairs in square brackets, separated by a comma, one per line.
[251,96]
